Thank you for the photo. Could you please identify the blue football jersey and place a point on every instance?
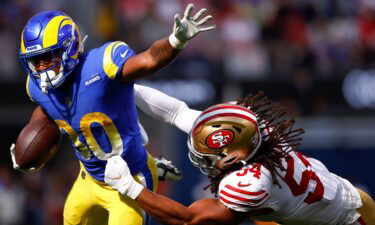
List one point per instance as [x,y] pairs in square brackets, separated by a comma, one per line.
[96,110]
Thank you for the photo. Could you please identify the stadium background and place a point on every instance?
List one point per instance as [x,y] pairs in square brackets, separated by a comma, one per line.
[315,56]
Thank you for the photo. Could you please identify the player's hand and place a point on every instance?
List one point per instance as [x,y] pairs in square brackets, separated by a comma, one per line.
[16,166]
[188,27]
[117,175]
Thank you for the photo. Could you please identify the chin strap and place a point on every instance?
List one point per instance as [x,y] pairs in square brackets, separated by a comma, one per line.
[82,48]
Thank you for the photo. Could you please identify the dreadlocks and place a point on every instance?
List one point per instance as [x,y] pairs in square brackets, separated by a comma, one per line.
[279,137]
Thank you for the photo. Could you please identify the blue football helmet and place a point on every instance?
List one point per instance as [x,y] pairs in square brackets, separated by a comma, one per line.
[52,36]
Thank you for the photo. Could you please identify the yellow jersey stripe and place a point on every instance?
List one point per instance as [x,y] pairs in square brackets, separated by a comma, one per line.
[154,171]
[109,67]
[27,88]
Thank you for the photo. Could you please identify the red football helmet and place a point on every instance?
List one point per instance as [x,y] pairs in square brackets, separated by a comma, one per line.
[223,135]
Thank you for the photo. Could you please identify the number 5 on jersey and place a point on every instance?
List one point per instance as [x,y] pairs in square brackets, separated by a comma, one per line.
[306,176]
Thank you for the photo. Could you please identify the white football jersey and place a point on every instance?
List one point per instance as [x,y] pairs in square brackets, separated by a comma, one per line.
[309,193]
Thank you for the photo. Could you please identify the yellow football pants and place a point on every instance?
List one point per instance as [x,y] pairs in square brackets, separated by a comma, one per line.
[367,210]
[91,202]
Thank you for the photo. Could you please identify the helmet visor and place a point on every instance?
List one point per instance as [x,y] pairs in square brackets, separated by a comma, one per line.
[39,62]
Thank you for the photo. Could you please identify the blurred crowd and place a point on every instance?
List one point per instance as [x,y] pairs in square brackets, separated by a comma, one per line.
[258,40]
[255,40]
[36,198]
[299,42]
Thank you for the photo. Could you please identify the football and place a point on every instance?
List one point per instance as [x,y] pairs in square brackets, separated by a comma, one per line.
[37,143]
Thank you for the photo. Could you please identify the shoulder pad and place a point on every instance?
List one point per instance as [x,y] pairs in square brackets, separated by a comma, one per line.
[114,56]
[246,189]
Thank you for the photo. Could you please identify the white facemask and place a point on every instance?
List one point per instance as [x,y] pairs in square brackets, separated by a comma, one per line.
[50,79]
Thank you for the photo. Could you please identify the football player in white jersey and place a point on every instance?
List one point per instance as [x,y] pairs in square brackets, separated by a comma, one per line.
[248,149]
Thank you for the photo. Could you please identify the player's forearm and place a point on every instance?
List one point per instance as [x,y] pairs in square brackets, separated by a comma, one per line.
[168,211]
[39,114]
[149,62]
[165,210]
[204,211]
[164,107]
[119,177]
[162,53]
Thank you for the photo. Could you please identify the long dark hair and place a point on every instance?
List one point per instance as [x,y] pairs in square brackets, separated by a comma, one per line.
[279,137]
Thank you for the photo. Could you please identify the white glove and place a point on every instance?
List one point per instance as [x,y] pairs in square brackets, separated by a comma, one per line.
[118,176]
[17,167]
[188,27]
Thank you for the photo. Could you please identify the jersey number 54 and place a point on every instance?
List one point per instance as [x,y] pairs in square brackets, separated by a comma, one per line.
[307,176]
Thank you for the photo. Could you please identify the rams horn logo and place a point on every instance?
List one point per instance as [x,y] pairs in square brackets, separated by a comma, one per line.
[219,139]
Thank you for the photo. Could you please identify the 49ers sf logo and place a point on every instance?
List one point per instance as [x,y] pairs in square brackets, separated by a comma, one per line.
[219,138]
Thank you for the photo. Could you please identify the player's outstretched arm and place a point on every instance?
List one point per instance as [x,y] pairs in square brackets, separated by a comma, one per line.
[164,209]
[165,108]
[164,51]
[204,211]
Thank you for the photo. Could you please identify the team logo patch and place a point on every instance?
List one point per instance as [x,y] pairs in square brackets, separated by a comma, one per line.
[92,80]
[219,139]
[33,48]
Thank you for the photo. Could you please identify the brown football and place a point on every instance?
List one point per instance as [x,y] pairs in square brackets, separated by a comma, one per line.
[37,143]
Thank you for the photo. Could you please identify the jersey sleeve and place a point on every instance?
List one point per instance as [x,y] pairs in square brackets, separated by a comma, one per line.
[247,189]
[114,58]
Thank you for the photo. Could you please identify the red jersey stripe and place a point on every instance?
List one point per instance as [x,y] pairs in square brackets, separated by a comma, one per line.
[244,192]
[244,199]
[361,221]
[237,204]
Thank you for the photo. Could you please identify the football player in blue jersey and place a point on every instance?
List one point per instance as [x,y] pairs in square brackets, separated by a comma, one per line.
[84,93]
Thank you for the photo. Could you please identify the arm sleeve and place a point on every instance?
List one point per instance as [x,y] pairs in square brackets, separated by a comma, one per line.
[143,134]
[164,107]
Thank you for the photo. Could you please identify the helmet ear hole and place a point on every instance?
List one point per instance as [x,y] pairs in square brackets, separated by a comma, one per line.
[223,154]
[216,126]
[226,161]
[75,47]
[237,129]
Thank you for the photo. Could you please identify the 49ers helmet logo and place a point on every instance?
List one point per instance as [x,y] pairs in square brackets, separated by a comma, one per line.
[219,138]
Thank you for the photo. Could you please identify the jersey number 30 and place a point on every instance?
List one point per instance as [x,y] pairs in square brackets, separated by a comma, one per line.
[85,123]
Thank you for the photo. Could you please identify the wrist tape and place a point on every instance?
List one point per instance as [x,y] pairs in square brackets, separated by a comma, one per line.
[175,42]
